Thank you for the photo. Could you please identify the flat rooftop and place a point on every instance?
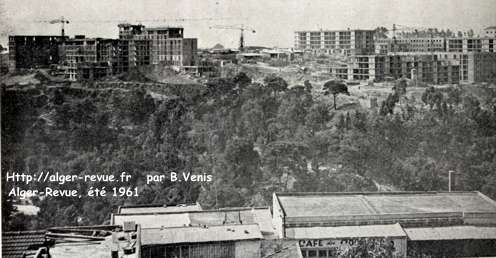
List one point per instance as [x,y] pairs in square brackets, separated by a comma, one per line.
[153,208]
[383,203]
[232,216]
[196,234]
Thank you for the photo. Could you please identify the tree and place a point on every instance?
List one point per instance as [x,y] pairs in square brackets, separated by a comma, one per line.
[335,87]
[242,80]
[470,33]
[308,85]
[400,87]
[381,32]
[387,106]
[276,83]
[432,97]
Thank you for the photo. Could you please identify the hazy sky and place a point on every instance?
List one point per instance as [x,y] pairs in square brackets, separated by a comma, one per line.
[274,20]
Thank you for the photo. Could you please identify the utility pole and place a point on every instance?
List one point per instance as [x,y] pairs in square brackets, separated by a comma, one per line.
[449,179]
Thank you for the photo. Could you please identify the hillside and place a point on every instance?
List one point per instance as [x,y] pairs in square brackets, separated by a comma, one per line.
[253,138]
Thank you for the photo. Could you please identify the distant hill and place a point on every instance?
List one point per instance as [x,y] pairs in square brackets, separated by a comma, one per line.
[218,46]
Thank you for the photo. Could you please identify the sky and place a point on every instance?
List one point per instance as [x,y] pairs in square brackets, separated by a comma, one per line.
[273,20]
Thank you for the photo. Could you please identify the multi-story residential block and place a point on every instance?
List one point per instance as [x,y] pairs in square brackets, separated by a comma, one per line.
[30,51]
[409,45]
[159,45]
[478,67]
[134,49]
[467,45]
[348,42]
[90,58]
[424,67]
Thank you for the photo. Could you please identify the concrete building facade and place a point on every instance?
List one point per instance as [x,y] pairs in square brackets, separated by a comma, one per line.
[347,42]
[464,45]
[159,45]
[90,58]
[30,51]
[134,51]
[425,67]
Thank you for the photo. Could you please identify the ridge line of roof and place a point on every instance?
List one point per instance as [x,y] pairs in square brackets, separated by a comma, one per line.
[200,226]
[372,193]
[227,209]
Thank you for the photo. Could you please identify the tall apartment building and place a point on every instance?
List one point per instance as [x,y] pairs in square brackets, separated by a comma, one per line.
[468,45]
[347,42]
[158,46]
[134,48]
[478,67]
[465,45]
[383,46]
[90,58]
[424,67]
[30,51]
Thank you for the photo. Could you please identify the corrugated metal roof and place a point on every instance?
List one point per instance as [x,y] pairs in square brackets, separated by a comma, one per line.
[393,230]
[451,233]
[195,234]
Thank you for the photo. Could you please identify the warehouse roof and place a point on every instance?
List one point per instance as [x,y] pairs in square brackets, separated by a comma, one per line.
[451,233]
[381,203]
[243,215]
[199,234]
[153,220]
[134,209]
[392,230]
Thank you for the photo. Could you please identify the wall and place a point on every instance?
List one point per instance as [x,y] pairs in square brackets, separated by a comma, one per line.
[452,248]
[203,250]
[354,247]
[247,249]
[277,217]
[34,51]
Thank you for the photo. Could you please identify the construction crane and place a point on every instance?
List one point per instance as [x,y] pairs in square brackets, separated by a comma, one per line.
[62,22]
[241,28]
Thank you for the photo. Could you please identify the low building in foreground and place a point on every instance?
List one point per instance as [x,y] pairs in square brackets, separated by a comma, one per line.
[188,231]
[402,224]
[301,225]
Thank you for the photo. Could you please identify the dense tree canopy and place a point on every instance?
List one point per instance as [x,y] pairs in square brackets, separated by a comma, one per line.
[253,138]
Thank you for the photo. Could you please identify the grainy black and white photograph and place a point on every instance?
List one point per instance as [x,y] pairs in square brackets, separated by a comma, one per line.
[248,129]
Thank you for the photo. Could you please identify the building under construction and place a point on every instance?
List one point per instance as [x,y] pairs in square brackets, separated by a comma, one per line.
[347,42]
[91,58]
[158,46]
[31,51]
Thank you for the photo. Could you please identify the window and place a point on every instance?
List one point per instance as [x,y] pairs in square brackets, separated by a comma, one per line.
[323,254]
[312,253]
